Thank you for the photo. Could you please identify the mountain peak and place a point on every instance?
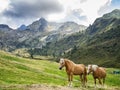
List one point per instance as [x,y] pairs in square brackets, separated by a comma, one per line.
[39,25]
[5,27]
[114,14]
[42,20]
[22,27]
[116,10]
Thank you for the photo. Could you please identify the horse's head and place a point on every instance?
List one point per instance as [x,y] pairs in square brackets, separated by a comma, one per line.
[62,63]
[91,68]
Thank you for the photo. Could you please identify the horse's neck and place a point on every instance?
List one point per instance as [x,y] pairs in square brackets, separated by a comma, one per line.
[68,64]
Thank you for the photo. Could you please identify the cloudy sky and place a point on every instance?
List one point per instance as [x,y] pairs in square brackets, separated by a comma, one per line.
[17,12]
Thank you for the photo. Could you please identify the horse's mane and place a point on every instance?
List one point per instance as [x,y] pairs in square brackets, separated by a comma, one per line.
[94,67]
[69,61]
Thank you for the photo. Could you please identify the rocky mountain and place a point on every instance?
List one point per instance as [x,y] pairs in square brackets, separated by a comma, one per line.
[36,35]
[39,26]
[98,44]
[65,30]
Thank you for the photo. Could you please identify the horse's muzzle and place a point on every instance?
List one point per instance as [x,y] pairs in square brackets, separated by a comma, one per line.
[60,68]
[88,73]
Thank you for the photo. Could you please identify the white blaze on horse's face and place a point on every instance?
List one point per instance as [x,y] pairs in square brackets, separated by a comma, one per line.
[62,63]
[89,69]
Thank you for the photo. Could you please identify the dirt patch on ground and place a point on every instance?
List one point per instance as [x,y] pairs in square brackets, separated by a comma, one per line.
[37,87]
[47,87]
[53,87]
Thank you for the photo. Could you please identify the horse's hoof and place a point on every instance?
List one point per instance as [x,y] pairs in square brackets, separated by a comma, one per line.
[69,85]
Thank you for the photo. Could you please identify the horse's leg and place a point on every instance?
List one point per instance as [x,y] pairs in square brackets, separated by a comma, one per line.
[103,81]
[95,81]
[85,79]
[100,81]
[71,79]
[68,80]
[81,78]
[85,76]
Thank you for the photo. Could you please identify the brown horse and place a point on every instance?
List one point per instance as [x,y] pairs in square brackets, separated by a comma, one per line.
[97,72]
[74,69]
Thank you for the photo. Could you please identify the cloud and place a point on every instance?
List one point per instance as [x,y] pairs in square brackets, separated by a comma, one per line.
[109,6]
[31,8]
[71,12]
[78,14]
[17,12]
[75,15]
[81,11]
[105,8]
[82,1]
[3,5]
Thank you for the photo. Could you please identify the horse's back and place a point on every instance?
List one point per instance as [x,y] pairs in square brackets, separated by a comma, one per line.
[102,69]
[102,72]
[81,66]
[79,69]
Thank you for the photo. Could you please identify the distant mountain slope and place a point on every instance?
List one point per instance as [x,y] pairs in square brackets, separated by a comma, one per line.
[36,35]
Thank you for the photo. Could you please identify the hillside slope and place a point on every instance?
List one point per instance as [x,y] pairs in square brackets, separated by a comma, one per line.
[15,70]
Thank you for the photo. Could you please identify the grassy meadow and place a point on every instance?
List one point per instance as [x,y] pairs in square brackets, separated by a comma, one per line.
[18,73]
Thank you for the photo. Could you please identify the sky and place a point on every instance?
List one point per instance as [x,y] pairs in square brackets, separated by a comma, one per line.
[17,12]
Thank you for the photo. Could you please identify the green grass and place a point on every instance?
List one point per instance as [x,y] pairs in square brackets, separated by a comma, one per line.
[16,70]
[20,71]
